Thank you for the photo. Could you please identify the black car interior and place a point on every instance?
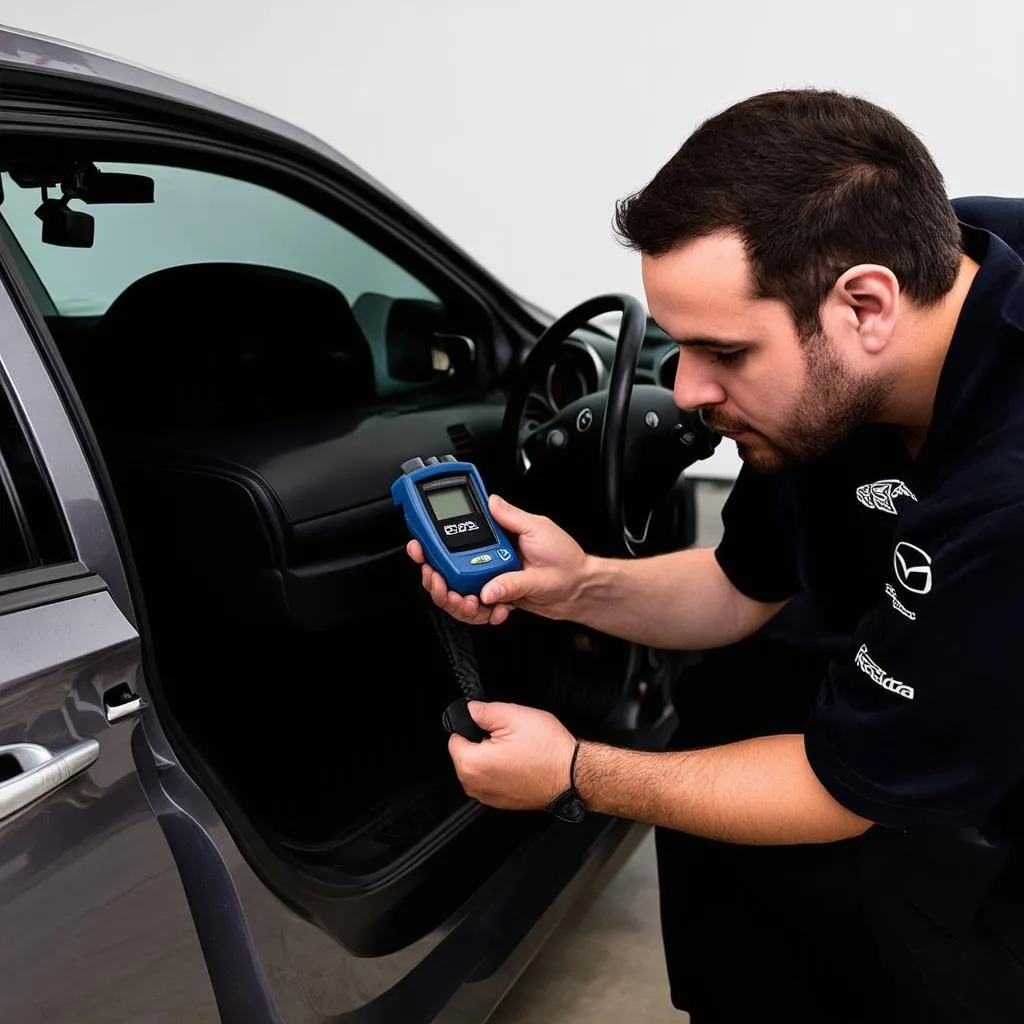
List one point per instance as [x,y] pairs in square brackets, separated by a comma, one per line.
[207,341]
[253,489]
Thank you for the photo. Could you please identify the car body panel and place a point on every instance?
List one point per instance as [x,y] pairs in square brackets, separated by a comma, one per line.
[95,922]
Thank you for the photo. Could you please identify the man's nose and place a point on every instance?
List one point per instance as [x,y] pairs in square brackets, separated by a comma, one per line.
[694,386]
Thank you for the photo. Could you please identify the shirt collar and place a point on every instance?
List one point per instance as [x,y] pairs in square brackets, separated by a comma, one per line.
[994,303]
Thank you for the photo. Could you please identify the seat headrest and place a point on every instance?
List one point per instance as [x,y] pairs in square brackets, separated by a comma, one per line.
[233,342]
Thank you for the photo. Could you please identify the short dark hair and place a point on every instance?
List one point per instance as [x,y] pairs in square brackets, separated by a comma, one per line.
[813,182]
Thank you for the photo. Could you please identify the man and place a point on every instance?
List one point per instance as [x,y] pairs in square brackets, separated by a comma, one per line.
[865,350]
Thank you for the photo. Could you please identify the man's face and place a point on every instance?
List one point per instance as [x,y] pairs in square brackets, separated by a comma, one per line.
[741,359]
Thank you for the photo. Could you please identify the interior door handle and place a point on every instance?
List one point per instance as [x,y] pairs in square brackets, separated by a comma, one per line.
[41,772]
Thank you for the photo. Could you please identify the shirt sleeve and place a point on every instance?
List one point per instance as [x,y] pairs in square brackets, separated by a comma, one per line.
[924,723]
[758,549]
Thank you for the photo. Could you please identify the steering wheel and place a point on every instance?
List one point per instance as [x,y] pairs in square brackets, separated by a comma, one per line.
[634,435]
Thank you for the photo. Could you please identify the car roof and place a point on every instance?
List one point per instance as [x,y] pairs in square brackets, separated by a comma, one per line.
[29,51]
[21,50]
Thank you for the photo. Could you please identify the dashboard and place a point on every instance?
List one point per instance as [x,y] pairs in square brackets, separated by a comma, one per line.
[583,365]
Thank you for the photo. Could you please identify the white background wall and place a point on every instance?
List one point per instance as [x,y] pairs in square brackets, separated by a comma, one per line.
[514,126]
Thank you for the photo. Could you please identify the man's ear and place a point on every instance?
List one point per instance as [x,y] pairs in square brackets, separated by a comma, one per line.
[868,299]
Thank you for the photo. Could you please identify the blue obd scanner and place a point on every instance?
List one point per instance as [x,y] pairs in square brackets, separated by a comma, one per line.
[445,508]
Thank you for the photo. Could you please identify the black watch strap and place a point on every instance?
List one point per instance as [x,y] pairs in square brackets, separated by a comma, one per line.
[569,805]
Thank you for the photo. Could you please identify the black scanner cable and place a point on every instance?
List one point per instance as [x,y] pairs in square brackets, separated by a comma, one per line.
[457,643]
[455,638]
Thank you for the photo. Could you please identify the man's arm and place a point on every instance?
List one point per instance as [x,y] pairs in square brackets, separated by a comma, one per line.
[681,600]
[759,791]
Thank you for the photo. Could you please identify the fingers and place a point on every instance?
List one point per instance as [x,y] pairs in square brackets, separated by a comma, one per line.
[465,609]
[499,613]
[458,746]
[415,551]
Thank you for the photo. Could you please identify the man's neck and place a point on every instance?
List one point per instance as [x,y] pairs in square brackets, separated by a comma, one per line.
[927,336]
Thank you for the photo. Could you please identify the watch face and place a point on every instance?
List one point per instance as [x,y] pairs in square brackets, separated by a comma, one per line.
[567,806]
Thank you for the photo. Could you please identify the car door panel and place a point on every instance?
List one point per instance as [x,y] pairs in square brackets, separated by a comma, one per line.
[89,893]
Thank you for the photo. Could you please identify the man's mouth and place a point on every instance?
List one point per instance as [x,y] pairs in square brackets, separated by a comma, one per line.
[729,428]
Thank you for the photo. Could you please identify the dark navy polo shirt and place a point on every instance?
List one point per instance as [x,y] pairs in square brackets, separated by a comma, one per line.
[911,571]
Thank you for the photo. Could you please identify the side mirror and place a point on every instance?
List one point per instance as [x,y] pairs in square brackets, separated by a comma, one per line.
[418,347]
[452,354]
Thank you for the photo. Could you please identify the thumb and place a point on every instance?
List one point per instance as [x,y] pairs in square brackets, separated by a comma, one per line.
[490,715]
[518,520]
[509,587]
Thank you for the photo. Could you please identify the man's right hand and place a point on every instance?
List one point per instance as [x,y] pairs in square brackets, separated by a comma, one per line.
[553,569]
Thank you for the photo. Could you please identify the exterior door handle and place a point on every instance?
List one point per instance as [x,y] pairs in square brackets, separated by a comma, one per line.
[41,771]
[120,703]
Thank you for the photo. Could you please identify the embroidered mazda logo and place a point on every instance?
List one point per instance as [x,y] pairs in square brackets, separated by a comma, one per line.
[913,568]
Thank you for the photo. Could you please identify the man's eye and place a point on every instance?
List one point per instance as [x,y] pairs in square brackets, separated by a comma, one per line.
[726,358]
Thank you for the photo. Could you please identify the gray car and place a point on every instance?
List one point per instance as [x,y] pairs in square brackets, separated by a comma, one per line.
[224,786]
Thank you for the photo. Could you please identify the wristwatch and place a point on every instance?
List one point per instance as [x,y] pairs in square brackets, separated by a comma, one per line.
[569,805]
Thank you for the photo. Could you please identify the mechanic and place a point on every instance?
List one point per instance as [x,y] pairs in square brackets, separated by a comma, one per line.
[859,854]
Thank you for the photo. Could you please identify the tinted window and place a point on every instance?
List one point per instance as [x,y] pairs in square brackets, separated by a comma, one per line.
[203,217]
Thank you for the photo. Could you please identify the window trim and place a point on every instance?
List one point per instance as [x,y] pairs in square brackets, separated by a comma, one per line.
[40,296]
[63,547]
[47,584]
[13,500]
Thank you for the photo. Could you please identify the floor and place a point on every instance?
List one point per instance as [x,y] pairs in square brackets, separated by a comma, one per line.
[605,965]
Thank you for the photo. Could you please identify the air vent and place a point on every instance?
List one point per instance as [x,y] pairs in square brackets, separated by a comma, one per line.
[461,438]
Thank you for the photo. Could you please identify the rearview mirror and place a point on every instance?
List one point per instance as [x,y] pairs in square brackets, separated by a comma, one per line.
[109,187]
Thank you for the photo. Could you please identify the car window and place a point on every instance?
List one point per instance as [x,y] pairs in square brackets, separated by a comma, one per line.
[32,532]
[203,217]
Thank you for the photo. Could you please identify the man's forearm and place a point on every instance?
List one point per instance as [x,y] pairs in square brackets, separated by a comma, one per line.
[682,600]
[760,791]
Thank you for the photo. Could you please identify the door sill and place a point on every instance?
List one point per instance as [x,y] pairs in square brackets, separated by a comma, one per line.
[391,830]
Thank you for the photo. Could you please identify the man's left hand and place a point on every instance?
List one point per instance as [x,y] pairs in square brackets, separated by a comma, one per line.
[525,763]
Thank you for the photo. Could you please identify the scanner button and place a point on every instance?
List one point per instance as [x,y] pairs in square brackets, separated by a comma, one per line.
[504,554]
[480,559]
